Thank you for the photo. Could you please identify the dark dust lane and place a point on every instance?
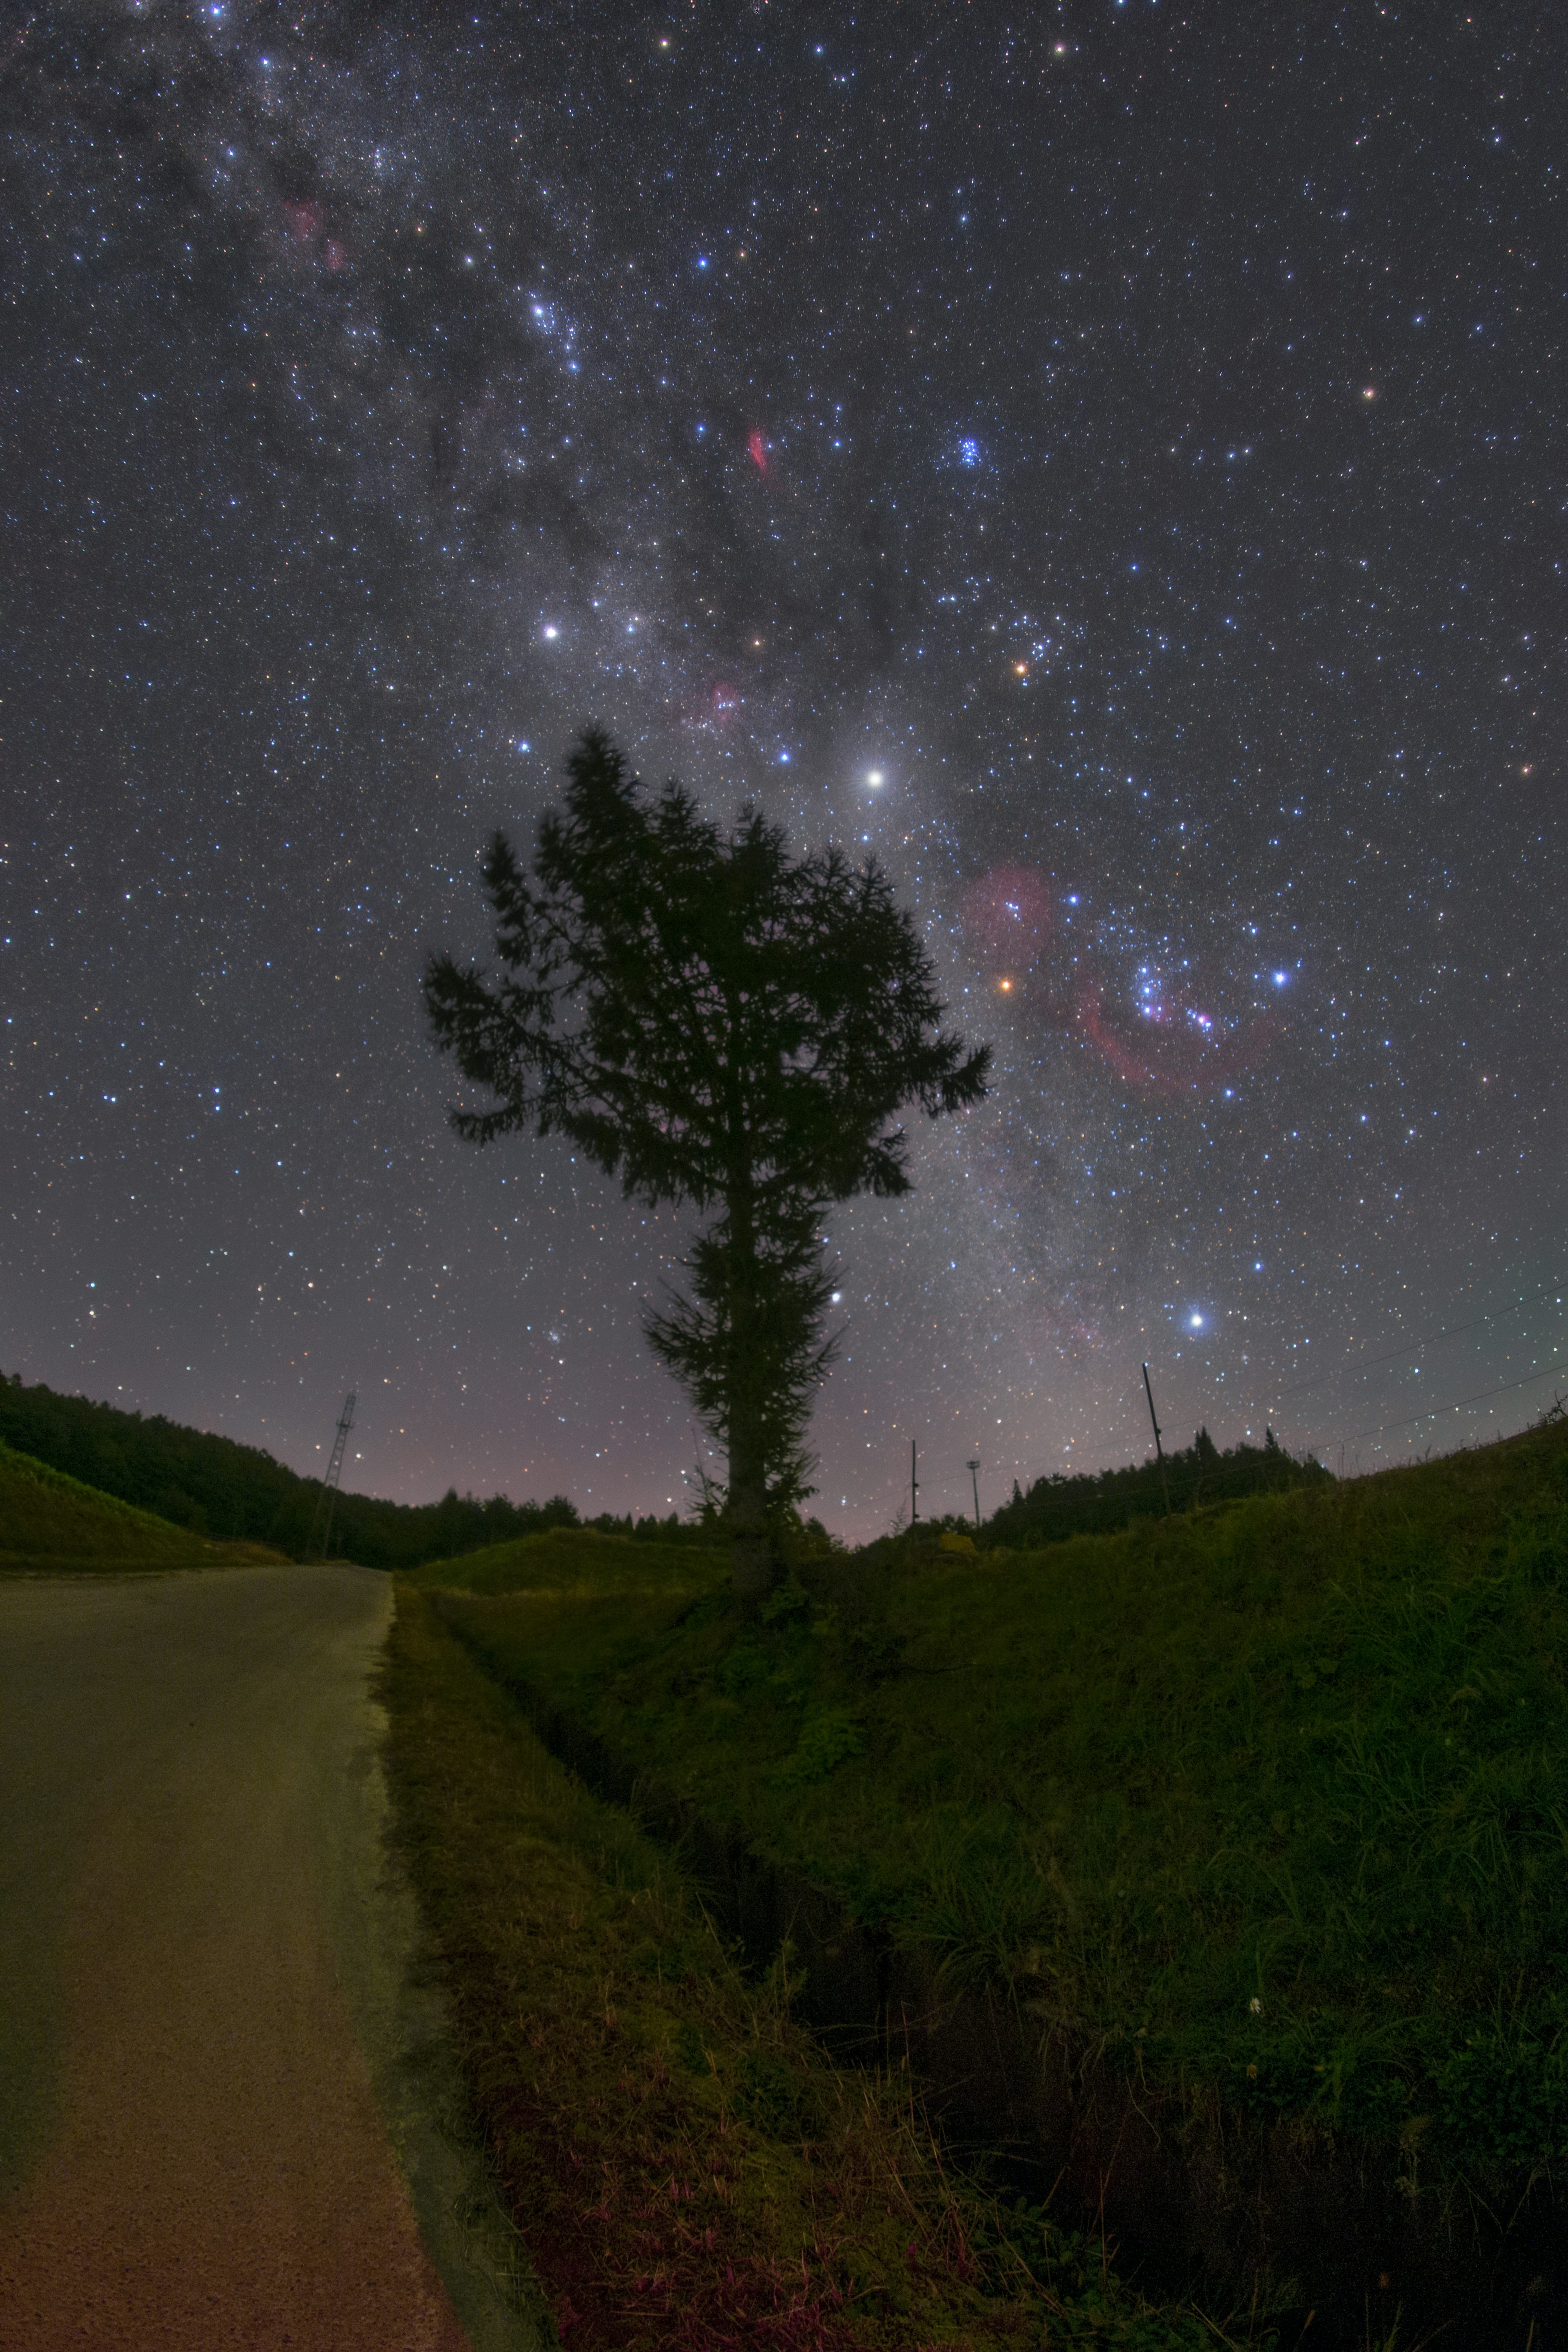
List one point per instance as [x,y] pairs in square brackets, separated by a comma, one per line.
[208,2132]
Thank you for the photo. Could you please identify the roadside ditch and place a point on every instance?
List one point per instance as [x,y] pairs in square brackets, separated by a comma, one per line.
[1186,2190]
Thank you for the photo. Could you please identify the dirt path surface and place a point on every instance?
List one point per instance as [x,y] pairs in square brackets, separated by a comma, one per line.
[196,2003]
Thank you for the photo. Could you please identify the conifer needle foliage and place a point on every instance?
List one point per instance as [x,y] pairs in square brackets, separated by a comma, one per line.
[723,1026]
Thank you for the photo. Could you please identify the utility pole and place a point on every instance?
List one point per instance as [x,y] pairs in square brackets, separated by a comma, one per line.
[975,1482]
[1164,1481]
[326,1507]
[914,1486]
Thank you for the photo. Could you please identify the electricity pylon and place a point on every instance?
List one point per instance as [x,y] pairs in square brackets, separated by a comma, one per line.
[327,1504]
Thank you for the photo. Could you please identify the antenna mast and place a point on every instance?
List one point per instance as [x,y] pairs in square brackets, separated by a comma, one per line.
[326,1507]
[914,1486]
[973,1469]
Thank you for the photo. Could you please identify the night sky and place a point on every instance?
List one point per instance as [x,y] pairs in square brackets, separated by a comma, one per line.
[1106,460]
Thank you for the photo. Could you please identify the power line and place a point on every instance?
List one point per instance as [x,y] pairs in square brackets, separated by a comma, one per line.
[1557,1364]
[1450,1331]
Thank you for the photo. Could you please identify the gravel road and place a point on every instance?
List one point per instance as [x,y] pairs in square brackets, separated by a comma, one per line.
[220,2083]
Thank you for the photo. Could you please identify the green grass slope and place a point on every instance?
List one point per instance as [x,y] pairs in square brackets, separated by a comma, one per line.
[1268,1802]
[50,1521]
[581,1565]
[681,2161]
[213,1486]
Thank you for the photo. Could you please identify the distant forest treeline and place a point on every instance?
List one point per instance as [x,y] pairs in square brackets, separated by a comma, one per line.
[220,1488]
[1058,1507]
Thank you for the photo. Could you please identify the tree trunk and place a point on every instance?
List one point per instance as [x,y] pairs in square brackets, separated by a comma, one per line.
[750,1541]
[752,1562]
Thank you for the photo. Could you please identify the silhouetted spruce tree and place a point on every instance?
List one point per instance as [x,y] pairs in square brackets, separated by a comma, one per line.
[723,1026]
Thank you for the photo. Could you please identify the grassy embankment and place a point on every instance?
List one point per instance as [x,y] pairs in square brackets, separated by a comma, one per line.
[239,1493]
[686,2166]
[52,1523]
[1269,1805]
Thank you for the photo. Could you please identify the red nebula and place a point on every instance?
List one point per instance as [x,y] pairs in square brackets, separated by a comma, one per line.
[712,707]
[1174,1050]
[1008,913]
[759,449]
[334,254]
[304,220]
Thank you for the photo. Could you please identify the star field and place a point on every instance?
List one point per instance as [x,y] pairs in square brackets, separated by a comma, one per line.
[1105,461]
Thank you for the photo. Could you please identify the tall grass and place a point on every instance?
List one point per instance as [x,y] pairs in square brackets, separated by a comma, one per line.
[1271,1799]
[684,2164]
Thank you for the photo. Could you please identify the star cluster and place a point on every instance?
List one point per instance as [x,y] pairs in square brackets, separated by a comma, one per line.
[1105,461]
